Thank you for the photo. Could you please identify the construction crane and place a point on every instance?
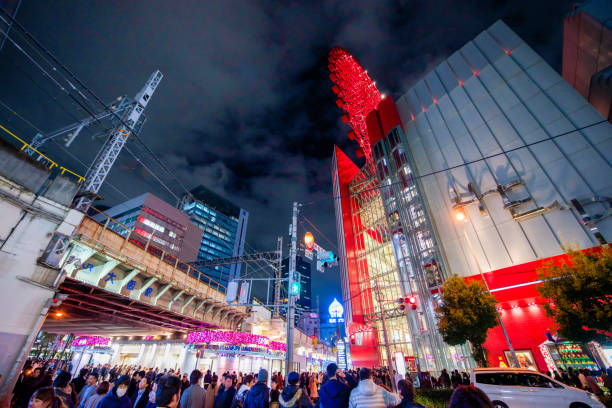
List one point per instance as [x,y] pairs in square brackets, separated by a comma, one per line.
[128,125]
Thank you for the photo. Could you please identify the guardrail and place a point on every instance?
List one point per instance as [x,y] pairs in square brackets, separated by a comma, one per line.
[50,163]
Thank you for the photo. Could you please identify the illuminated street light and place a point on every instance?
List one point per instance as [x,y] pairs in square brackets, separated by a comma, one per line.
[58,314]
[460,215]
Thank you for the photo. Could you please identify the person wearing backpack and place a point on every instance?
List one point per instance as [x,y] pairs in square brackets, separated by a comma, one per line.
[294,396]
[247,382]
[259,394]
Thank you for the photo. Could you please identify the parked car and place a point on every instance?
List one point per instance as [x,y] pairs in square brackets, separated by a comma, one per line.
[523,388]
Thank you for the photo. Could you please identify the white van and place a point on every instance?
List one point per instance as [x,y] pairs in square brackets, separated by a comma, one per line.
[522,388]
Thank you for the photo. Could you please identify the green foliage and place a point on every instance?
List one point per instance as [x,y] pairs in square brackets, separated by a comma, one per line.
[466,313]
[433,397]
[580,292]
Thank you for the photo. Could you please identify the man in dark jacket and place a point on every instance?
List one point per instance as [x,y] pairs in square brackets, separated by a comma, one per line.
[293,396]
[79,382]
[334,393]
[133,388]
[118,398]
[226,394]
[259,394]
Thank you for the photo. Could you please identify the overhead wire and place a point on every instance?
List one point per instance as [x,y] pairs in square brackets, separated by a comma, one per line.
[91,93]
[444,170]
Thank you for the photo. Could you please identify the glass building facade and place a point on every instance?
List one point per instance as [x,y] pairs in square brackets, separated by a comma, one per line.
[224,225]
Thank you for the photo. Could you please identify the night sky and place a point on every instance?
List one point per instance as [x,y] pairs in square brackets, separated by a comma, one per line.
[245,106]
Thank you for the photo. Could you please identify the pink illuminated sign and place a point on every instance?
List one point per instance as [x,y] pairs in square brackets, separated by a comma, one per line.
[235,338]
[91,341]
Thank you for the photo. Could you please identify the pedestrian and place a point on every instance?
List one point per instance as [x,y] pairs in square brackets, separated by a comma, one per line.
[274,393]
[583,381]
[133,388]
[465,378]
[406,390]
[184,382]
[31,382]
[168,389]
[334,393]
[592,384]
[444,379]
[93,400]
[207,379]
[314,387]
[226,393]
[45,398]
[193,396]
[455,379]
[259,394]
[469,397]
[369,395]
[247,383]
[117,398]
[64,390]
[294,396]
[79,382]
[140,399]
[211,392]
[89,389]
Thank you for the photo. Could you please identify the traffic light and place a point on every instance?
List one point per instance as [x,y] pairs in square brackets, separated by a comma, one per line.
[353,339]
[295,288]
[401,304]
[413,302]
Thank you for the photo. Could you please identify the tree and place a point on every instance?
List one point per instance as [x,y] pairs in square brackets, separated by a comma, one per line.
[580,294]
[466,313]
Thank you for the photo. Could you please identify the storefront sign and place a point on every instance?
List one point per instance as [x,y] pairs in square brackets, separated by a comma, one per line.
[91,341]
[234,338]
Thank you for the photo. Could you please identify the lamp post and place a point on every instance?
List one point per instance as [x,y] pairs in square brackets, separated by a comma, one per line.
[461,216]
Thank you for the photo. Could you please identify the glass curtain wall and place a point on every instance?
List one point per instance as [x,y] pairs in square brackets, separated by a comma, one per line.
[379,278]
[419,261]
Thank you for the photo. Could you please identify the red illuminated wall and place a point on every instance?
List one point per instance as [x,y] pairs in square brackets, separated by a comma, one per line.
[366,354]
[525,323]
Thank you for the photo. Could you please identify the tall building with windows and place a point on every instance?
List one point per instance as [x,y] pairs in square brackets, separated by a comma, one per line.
[490,162]
[304,272]
[587,53]
[156,222]
[224,225]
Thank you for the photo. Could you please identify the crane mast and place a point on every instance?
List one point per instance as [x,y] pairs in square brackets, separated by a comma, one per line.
[117,138]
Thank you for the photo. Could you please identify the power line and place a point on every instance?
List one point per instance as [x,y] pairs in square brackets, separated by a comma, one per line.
[319,231]
[89,91]
[503,152]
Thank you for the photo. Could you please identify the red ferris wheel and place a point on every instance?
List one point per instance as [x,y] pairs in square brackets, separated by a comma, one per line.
[357,95]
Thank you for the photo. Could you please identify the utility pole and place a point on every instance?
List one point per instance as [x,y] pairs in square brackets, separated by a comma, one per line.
[384,327]
[278,275]
[290,296]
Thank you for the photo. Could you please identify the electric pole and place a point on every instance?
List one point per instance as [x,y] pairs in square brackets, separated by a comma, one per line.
[291,296]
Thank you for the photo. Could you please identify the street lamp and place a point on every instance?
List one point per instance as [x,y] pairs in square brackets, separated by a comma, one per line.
[461,216]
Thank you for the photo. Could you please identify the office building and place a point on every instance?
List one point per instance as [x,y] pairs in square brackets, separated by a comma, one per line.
[492,134]
[224,225]
[157,223]
[587,53]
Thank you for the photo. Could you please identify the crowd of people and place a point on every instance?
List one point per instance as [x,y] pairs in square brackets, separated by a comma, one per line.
[52,386]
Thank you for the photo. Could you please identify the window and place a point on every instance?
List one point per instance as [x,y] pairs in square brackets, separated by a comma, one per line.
[536,380]
[509,379]
[172,234]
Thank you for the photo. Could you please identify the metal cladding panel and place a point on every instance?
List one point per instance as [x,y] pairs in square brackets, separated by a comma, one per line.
[514,99]
[459,67]
[474,57]
[504,35]
[489,47]
[389,117]
[435,86]
[447,76]
[373,126]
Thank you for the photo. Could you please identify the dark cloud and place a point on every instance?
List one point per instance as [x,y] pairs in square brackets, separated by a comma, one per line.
[245,106]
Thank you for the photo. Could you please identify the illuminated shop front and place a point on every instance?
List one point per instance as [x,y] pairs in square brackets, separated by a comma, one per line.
[221,351]
[91,350]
